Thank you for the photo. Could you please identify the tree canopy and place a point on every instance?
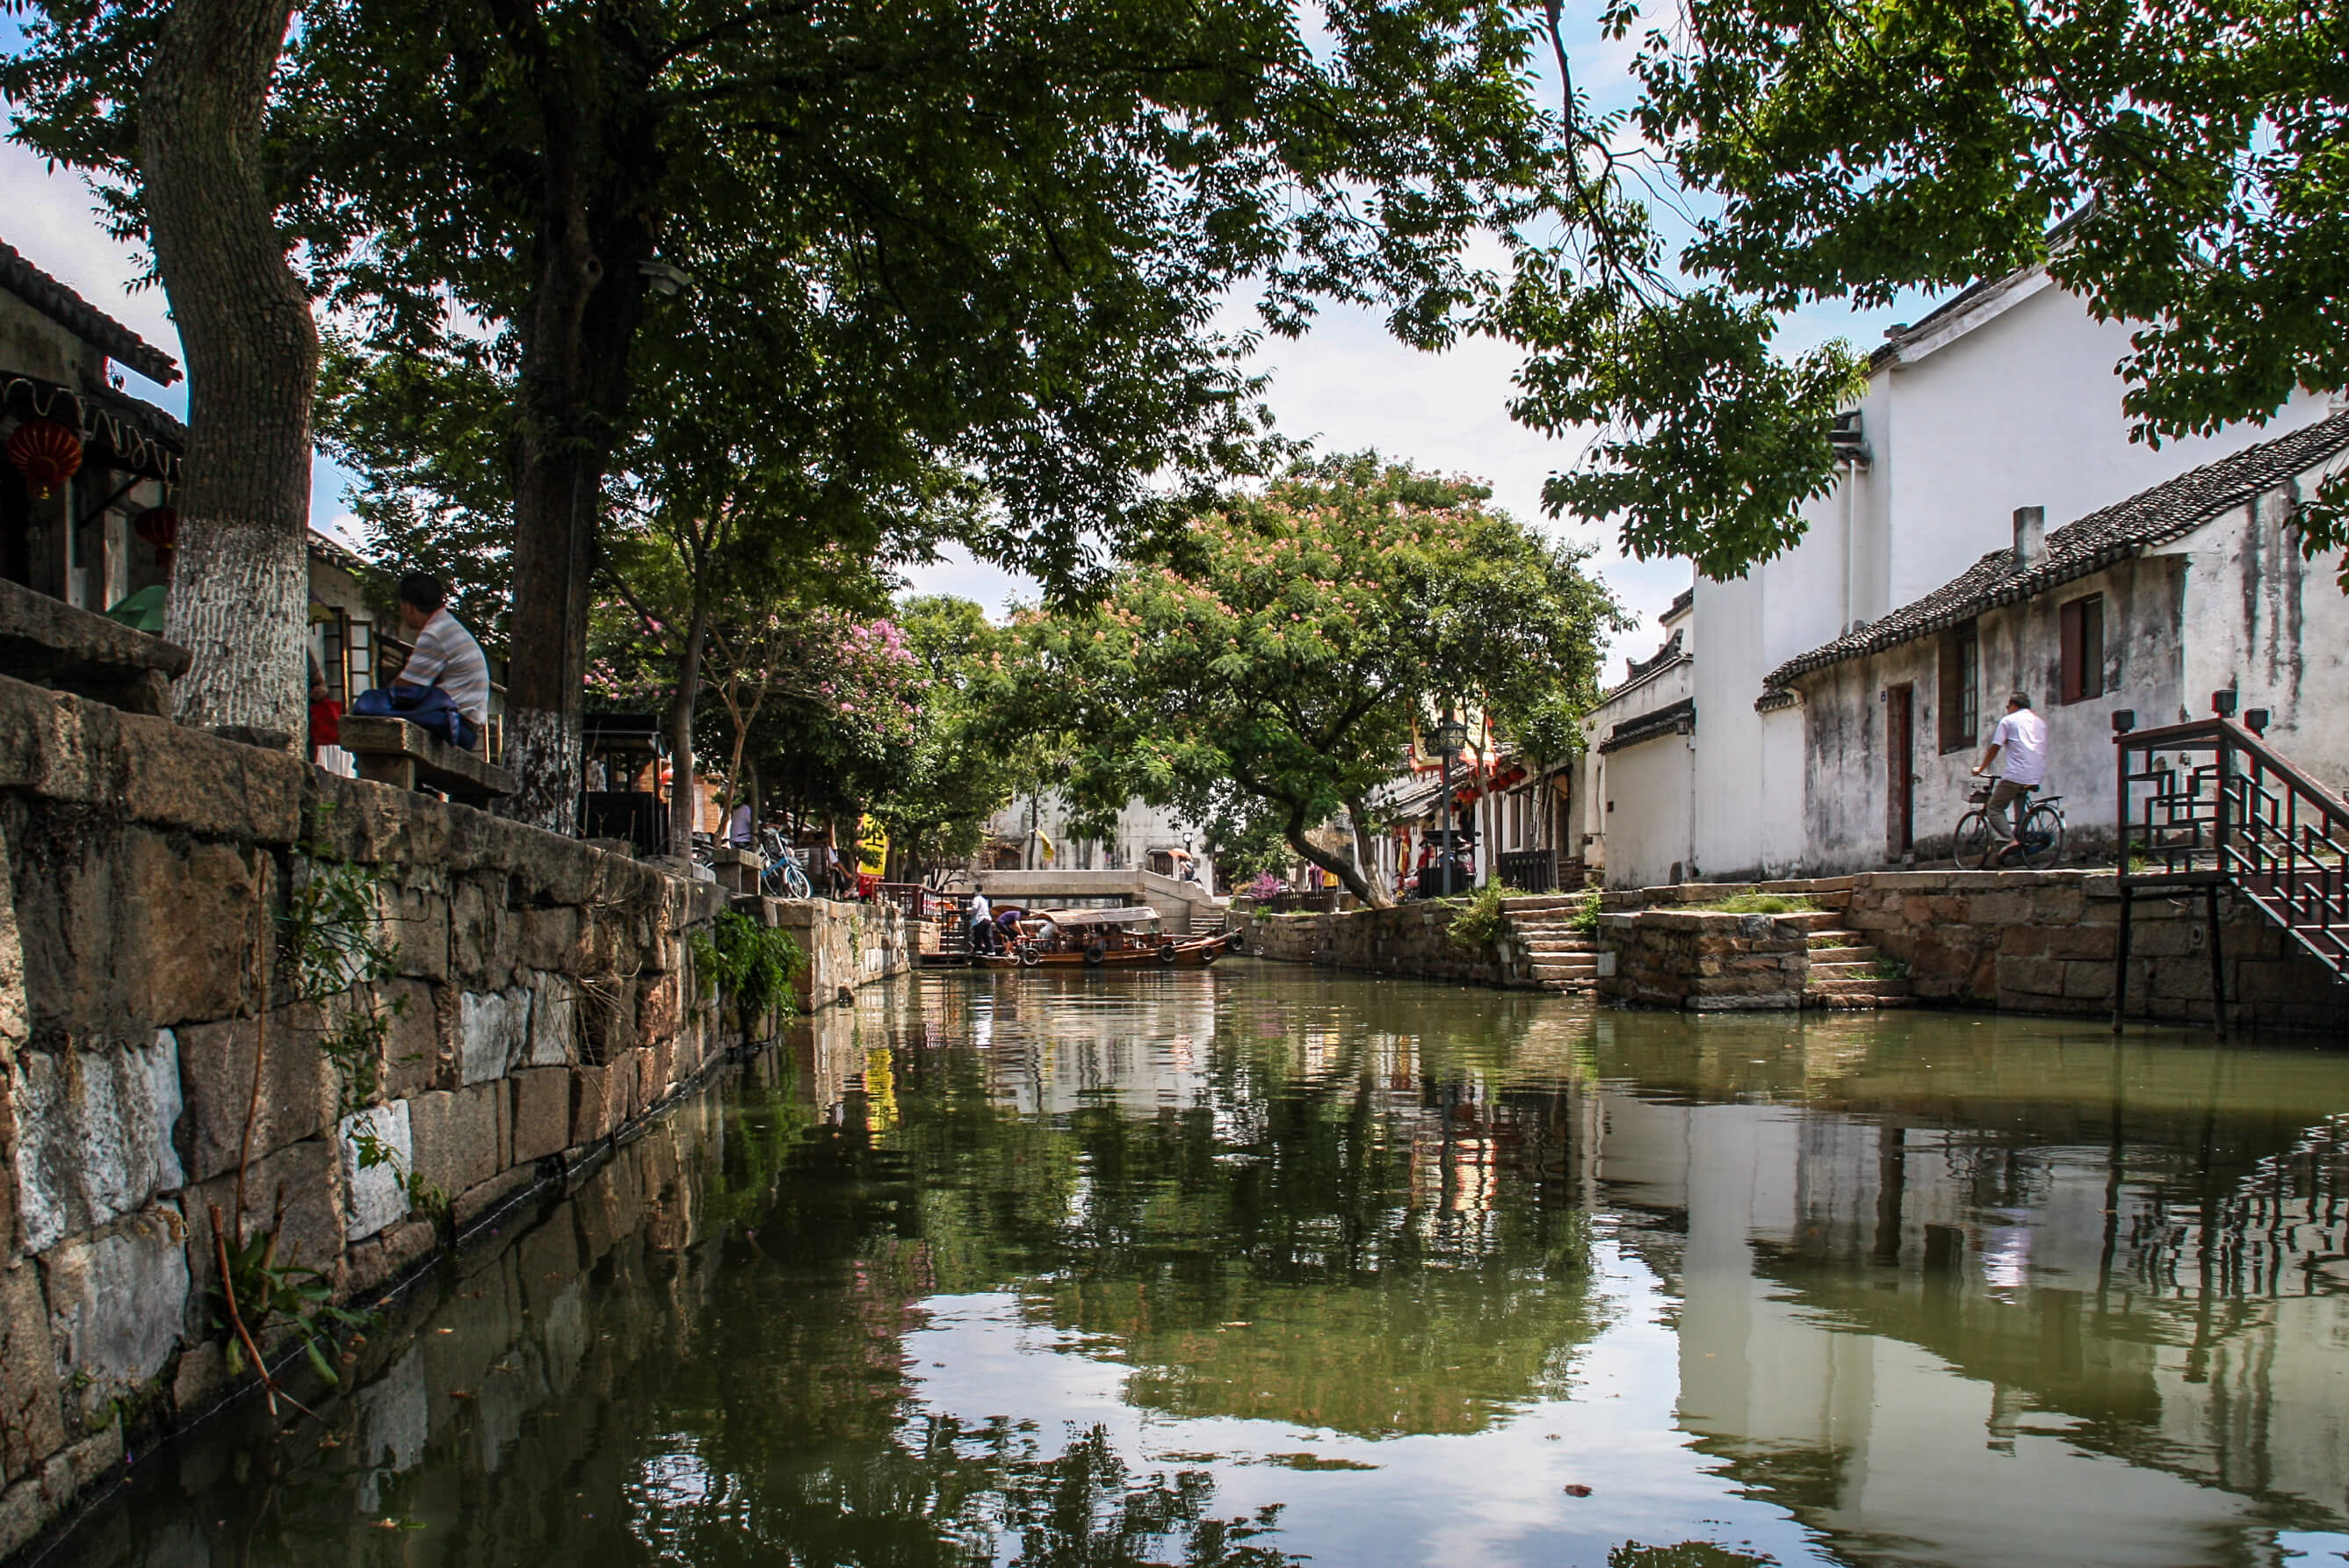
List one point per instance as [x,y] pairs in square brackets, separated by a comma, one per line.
[1275,656]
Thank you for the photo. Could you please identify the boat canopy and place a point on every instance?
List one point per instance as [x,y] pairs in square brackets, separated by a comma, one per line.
[1126,915]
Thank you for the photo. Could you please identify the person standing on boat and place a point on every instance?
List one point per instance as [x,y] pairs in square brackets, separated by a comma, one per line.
[982,925]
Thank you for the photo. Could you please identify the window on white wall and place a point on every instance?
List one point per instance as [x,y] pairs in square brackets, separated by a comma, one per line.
[2081,629]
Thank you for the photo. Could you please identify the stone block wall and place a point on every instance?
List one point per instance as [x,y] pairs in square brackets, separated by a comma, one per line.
[542,1000]
[2045,942]
[1704,961]
[1410,939]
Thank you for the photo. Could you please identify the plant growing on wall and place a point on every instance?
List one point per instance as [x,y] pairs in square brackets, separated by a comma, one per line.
[754,964]
[1478,925]
[332,954]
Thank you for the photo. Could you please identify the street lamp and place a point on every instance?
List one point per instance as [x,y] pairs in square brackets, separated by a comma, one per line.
[1450,736]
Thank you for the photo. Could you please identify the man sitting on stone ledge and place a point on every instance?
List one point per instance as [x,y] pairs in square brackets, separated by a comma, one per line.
[446,657]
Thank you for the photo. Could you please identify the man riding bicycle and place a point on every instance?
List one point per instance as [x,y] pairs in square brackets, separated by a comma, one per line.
[2020,743]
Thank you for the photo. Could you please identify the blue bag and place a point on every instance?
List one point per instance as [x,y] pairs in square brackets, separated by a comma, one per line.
[426,707]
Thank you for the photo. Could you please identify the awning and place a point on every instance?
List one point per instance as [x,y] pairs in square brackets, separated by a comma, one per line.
[1126,915]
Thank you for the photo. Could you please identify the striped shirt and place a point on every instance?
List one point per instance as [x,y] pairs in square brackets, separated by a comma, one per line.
[447,656]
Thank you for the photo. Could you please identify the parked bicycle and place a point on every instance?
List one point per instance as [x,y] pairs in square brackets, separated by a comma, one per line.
[780,875]
[1978,844]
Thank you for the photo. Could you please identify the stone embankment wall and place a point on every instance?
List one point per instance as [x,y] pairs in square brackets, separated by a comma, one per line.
[2045,942]
[1703,961]
[543,999]
[1410,939]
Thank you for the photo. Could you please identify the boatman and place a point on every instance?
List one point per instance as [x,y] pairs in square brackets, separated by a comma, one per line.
[982,925]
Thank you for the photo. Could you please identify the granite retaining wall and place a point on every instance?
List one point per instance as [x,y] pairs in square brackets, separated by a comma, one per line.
[1410,939]
[543,999]
[2045,942]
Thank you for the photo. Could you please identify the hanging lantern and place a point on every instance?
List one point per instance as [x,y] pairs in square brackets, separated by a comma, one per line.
[159,526]
[46,453]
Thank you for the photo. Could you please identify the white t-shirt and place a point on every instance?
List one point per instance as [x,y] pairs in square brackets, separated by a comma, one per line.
[979,908]
[2022,741]
[447,656]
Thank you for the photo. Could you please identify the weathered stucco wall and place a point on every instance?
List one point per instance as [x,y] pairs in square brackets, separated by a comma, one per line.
[542,998]
[1848,799]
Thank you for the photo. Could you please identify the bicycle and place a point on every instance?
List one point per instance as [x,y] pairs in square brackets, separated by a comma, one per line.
[1976,844]
[780,875]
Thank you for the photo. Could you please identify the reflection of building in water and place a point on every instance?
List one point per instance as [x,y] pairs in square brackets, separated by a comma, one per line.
[1992,1329]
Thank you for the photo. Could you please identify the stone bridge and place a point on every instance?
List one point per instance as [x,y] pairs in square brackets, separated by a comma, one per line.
[1181,905]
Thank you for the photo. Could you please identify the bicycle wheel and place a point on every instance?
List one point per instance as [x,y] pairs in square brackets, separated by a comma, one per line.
[795,881]
[1972,844]
[2043,838]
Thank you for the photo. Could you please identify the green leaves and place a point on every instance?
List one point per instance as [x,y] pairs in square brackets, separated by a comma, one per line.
[1272,657]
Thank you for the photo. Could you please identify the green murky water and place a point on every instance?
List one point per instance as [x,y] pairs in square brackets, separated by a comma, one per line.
[1255,1265]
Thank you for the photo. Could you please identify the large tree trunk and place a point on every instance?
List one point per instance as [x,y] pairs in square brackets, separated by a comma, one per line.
[240,579]
[684,795]
[1338,866]
[595,230]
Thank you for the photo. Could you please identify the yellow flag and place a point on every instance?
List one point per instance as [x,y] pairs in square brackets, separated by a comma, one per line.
[871,846]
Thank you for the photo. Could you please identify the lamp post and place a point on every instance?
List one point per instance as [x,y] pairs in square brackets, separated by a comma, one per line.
[1451,734]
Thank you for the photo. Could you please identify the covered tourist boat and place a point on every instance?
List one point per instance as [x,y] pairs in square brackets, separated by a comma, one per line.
[1120,938]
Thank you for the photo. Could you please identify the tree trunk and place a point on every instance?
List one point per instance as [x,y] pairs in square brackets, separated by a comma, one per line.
[1366,854]
[684,797]
[586,304]
[240,580]
[1361,886]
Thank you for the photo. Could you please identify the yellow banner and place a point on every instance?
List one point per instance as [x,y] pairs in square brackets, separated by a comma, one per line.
[872,847]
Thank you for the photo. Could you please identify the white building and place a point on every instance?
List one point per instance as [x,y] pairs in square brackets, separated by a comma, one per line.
[1033,833]
[2005,398]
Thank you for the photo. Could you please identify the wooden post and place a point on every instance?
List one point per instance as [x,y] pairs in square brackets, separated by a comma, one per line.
[2217,959]
[2121,955]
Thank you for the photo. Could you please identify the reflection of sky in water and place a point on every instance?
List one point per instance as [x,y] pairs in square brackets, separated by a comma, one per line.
[2006,1256]
[2312,1547]
[1489,1500]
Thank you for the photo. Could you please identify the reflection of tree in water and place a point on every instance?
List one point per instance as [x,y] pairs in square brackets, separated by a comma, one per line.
[949,1494]
[1326,1242]
[1687,1554]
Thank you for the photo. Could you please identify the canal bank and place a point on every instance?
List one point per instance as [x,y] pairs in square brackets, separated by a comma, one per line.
[2020,942]
[1261,1264]
[447,1010]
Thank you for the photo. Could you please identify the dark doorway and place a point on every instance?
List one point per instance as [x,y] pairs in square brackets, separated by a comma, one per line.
[1901,769]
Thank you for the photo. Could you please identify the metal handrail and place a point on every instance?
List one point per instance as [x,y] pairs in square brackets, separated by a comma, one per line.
[2225,809]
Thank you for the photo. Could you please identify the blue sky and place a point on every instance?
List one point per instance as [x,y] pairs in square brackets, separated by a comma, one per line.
[1346,384]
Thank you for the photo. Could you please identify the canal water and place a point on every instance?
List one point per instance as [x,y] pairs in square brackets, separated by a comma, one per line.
[1260,1265]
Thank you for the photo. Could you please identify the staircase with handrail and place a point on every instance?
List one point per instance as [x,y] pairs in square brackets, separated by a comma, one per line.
[2207,805]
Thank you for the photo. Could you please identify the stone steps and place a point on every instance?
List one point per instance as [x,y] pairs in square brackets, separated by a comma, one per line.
[1857,987]
[1847,953]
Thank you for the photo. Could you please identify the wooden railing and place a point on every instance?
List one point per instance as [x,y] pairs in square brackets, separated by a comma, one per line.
[2207,804]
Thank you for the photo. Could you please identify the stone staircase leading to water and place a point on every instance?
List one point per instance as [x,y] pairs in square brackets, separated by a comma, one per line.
[1847,971]
[1556,955]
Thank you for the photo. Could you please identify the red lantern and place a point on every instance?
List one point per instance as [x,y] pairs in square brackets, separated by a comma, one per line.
[46,453]
[159,526]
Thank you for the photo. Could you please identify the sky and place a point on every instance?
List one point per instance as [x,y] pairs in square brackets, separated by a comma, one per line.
[1346,386]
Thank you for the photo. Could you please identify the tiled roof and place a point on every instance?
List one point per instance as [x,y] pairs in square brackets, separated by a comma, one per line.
[1673,718]
[83,319]
[1655,661]
[1680,601]
[2168,511]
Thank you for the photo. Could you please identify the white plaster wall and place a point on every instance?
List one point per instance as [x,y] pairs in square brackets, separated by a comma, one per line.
[1140,828]
[2273,626]
[2025,410]
[1646,820]
[1651,831]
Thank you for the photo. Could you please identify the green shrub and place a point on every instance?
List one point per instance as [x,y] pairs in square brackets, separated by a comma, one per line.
[1477,926]
[754,964]
[1585,919]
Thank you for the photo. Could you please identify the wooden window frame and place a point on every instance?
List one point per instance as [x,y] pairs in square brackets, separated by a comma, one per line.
[1958,690]
[2080,637]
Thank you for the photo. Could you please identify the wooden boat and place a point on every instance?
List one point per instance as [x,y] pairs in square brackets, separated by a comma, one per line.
[1099,939]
